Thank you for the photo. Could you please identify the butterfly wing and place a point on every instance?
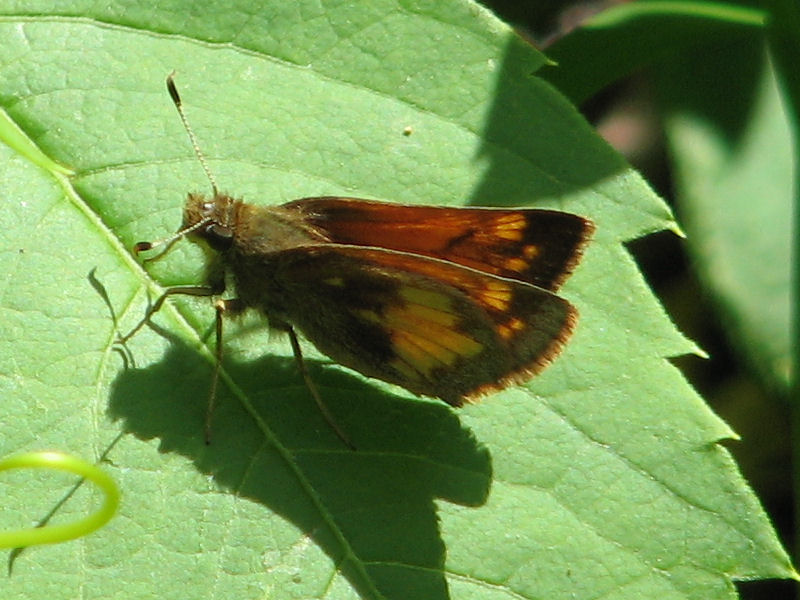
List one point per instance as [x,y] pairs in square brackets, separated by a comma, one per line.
[540,247]
[433,327]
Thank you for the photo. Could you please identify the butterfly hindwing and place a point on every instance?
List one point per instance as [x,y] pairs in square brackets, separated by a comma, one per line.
[434,327]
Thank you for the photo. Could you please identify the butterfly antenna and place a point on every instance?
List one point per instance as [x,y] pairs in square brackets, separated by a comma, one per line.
[176,100]
[167,241]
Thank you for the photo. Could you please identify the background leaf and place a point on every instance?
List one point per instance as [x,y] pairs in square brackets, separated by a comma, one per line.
[735,186]
[602,476]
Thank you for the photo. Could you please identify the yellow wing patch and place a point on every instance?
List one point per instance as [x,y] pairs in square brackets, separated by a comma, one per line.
[424,332]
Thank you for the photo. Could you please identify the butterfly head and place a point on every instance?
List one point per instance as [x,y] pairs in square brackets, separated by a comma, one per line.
[210,219]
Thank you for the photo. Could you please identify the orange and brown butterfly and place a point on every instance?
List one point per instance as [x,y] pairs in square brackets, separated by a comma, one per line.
[445,302]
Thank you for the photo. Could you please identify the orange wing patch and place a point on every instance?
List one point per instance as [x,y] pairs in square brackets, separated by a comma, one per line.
[510,328]
[530,251]
[509,226]
[493,294]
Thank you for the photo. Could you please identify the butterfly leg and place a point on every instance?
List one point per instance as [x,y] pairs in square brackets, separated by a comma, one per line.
[231,306]
[298,356]
[221,306]
[188,290]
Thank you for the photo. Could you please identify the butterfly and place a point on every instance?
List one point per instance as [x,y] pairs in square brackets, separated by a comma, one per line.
[451,303]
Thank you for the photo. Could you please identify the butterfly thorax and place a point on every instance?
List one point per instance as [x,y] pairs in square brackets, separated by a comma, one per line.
[264,237]
[262,231]
[246,243]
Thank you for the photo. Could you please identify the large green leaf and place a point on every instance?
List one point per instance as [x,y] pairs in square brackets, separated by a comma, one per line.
[601,477]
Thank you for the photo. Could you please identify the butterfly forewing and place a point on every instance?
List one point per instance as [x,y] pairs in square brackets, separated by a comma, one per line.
[535,246]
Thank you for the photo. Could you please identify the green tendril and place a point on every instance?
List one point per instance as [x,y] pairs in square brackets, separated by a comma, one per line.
[52,534]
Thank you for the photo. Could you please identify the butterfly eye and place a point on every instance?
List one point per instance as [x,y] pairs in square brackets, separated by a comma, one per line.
[218,236]
[208,208]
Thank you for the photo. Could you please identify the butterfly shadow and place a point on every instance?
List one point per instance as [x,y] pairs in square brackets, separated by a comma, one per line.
[371,510]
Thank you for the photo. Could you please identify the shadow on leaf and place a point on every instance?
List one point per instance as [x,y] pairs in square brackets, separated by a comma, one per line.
[372,511]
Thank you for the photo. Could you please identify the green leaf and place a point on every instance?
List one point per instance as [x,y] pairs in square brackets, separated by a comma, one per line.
[735,184]
[630,36]
[601,477]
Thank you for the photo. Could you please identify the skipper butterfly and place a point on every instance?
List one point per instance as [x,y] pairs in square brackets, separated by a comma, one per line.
[452,303]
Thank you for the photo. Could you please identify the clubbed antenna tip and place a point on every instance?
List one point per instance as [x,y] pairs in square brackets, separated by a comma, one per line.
[176,100]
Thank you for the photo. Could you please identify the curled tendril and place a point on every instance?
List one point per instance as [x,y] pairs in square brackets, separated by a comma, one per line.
[52,534]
